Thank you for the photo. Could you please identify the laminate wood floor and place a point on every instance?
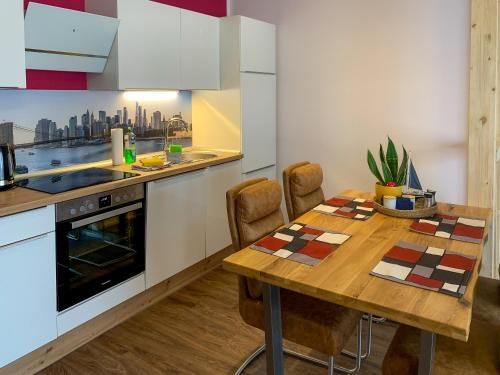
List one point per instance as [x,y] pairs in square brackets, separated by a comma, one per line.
[197,330]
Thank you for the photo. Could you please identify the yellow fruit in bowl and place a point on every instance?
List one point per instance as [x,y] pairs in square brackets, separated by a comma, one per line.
[153,161]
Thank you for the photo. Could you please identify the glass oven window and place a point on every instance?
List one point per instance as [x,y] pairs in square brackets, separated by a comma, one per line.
[96,255]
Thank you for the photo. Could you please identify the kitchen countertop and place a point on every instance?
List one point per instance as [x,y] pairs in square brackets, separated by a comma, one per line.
[21,199]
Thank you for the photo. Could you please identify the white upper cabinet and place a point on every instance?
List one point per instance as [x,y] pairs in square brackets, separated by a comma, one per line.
[12,61]
[146,51]
[257,46]
[199,51]
[149,45]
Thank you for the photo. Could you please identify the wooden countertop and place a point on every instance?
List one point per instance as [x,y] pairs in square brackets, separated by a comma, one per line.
[344,276]
[21,199]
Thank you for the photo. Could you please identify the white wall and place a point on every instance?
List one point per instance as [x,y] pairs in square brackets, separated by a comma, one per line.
[351,72]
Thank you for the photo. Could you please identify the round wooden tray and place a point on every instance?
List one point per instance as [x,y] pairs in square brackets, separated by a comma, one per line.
[407,214]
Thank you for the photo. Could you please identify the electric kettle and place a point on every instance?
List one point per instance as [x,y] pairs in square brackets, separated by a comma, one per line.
[7,166]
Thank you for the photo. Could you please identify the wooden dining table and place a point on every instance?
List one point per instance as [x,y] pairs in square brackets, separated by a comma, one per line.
[344,278]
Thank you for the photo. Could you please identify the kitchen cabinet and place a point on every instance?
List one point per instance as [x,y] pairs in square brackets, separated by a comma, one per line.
[220,179]
[146,51]
[172,49]
[175,225]
[199,51]
[243,113]
[258,118]
[268,172]
[257,46]
[12,63]
[28,295]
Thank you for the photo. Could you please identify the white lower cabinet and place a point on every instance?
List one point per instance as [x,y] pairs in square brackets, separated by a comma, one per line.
[175,230]
[27,296]
[220,179]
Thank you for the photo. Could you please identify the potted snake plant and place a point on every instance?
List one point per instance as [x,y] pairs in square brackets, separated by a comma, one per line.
[393,176]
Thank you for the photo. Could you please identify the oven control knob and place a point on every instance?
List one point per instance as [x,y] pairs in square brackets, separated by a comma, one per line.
[91,206]
[72,211]
[117,199]
[125,197]
[83,208]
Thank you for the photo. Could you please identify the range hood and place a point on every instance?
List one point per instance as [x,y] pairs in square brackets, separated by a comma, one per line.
[67,40]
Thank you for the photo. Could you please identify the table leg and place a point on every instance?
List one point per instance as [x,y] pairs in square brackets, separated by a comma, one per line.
[427,350]
[274,339]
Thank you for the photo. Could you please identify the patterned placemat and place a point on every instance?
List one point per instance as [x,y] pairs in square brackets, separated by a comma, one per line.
[301,243]
[454,227]
[426,267]
[354,208]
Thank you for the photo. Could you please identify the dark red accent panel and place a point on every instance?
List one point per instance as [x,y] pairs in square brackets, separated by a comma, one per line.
[70,4]
[215,8]
[49,80]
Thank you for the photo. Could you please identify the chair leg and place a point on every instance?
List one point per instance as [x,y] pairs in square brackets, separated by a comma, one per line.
[250,359]
[368,351]
[355,369]
[331,365]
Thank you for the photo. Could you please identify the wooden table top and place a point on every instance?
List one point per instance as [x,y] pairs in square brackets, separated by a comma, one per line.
[344,276]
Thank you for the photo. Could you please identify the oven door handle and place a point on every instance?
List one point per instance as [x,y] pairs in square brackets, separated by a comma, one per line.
[106,215]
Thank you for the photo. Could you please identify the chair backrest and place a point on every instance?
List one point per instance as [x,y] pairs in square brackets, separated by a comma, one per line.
[302,186]
[253,210]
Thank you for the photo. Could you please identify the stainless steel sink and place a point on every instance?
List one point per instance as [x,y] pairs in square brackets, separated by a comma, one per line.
[197,155]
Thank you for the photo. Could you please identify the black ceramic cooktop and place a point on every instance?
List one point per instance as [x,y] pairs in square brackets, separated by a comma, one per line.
[58,183]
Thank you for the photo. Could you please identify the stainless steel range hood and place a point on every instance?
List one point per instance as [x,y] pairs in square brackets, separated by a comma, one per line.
[67,40]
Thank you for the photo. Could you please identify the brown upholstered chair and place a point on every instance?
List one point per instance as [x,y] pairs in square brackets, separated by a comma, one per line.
[254,211]
[302,186]
[480,355]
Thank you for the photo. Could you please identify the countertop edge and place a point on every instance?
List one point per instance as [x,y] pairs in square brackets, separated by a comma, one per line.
[32,200]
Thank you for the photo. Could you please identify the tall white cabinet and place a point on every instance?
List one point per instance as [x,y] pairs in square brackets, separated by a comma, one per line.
[242,115]
[12,61]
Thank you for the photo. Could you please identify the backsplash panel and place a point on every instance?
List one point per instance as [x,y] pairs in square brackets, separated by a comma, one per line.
[52,129]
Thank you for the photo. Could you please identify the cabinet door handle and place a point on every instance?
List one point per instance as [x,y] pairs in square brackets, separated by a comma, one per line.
[22,242]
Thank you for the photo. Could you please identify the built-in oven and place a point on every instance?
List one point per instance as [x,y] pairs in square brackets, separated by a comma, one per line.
[99,243]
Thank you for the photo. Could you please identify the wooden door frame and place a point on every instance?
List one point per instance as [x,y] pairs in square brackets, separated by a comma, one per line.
[483,119]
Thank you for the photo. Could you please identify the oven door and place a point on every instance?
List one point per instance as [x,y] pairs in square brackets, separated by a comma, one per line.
[97,252]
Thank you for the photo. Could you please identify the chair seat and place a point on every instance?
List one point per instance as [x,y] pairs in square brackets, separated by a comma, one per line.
[487,301]
[478,356]
[308,321]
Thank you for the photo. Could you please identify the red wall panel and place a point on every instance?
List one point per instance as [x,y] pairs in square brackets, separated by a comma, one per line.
[215,8]
[49,80]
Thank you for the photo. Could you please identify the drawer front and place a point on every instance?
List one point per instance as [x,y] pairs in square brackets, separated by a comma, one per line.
[27,224]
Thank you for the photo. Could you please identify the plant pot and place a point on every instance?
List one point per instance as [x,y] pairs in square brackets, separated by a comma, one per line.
[381,190]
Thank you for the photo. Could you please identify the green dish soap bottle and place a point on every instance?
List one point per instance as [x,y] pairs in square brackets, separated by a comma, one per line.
[129,149]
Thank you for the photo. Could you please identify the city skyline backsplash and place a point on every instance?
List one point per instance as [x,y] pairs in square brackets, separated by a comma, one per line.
[51,129]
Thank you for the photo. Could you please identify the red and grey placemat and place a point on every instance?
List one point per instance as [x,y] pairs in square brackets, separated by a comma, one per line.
[454,227]
[301,243]
[354,208]
[426,267]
